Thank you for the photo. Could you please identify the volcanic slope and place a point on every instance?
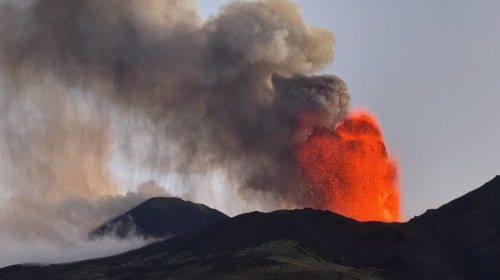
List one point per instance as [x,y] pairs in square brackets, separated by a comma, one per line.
[160,217]
[460,240]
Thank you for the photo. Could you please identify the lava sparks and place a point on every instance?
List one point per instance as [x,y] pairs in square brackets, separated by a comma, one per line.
[347,170]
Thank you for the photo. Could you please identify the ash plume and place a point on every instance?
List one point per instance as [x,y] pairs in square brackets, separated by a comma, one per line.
[83,79]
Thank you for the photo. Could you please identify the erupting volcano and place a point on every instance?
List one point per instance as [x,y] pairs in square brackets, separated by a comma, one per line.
[100,97]
[347,170]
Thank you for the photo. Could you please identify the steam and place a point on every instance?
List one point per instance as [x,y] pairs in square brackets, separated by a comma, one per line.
[152,83]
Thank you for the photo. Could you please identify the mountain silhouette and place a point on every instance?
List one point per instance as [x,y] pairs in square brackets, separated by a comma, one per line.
[459,240]
[158,218]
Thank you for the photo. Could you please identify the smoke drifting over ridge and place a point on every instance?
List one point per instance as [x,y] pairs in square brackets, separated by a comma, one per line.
[81,79]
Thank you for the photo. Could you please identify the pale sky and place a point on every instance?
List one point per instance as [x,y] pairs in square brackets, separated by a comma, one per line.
[430,71]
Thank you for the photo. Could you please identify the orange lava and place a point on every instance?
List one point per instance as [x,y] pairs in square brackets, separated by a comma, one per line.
[348,170]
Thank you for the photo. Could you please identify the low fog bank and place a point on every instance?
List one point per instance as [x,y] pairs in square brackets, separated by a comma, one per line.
[34,232]
[42,251]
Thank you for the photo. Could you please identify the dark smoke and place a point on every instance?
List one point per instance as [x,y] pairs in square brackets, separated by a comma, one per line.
[81,79]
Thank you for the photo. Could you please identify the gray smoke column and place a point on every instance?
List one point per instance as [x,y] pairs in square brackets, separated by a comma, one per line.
[224,93]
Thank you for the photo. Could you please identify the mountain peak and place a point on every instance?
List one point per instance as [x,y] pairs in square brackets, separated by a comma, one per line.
[160,217]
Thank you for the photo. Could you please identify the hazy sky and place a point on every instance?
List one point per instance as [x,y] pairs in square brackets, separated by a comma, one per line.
[430,71]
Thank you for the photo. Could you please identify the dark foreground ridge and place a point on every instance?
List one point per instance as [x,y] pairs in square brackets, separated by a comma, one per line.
[460,240]
[160,217]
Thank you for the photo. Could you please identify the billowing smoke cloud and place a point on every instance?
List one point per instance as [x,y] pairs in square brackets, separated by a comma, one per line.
[152,81]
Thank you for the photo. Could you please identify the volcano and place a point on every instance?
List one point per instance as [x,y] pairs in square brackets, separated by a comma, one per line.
[460,240]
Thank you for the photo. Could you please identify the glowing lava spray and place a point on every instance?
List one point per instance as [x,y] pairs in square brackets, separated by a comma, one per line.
[347,170]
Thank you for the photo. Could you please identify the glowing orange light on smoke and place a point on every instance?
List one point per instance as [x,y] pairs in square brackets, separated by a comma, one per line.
[348,170]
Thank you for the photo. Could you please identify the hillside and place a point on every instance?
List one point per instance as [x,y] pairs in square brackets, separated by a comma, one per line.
[459,240]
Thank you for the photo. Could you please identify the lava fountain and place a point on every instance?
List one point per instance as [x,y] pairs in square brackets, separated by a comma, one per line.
[347,170]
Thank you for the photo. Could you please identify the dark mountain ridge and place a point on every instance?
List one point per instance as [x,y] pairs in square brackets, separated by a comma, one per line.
[468,229]
[460,240]
[160,217]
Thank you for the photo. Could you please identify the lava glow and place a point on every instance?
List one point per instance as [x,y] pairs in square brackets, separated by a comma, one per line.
[348,170]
